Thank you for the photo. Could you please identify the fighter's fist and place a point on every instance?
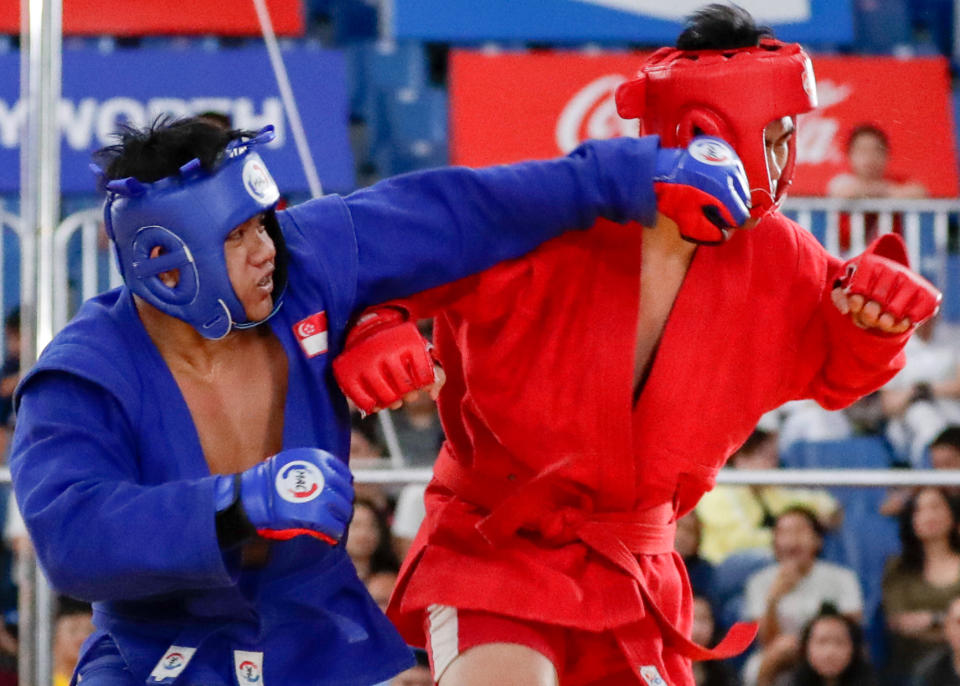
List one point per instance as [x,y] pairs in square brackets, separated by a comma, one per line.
[385,360]
[301,491]
[703,188]
[879,291]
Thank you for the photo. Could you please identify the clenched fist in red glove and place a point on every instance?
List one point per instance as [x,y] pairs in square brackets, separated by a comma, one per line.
[386,361]
[879,291]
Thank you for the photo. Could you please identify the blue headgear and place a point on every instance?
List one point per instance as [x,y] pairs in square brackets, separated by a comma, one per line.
[189,217]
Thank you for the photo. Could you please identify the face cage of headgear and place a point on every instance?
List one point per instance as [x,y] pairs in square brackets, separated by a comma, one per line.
[731,94]
[188,217]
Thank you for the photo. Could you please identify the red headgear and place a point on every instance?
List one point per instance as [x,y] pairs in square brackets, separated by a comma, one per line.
[732,94]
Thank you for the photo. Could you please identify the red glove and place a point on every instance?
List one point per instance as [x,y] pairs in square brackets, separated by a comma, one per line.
[384,358]
[882,274]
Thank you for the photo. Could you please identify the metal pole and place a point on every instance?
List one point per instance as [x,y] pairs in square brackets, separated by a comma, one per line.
[40,87]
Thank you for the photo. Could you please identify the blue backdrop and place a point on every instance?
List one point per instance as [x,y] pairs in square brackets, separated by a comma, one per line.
[101,89]
[656,22]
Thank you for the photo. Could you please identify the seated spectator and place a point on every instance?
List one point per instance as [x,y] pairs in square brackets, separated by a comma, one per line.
[73,625]
[687,543]
[736,518]
[924,397]
[713,672]
[365,444]
[919,584]
[944,454]
[785,596]
[868,156]
[832,654]
[942,668]
[368,541]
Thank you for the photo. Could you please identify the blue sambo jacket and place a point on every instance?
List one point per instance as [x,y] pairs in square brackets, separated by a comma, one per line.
[111,479]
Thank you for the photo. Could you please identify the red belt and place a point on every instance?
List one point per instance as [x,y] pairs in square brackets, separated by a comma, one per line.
[616,536]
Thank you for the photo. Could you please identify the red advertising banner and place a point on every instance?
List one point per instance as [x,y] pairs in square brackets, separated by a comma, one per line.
[506,107]
[145,17]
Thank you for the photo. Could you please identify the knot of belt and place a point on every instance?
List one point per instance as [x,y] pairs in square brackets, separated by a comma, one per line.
[616,536]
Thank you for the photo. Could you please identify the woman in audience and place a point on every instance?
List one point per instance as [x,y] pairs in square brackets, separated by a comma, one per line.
[919,584]
[368,540]
[831,654]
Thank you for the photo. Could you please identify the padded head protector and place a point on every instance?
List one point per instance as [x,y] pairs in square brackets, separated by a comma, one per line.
[188,216]
[731,94]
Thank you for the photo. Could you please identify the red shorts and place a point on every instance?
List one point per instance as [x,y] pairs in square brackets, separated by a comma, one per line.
[629,655]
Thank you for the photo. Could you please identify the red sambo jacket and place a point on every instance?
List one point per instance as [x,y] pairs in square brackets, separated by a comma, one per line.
[555,494]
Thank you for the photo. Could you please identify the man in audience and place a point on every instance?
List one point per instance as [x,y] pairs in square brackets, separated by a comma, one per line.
[786,595]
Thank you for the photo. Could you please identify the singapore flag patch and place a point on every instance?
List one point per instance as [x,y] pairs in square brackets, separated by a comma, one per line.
[312,334]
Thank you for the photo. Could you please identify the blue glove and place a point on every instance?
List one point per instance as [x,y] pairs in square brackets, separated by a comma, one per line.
[703,188]
[301,491]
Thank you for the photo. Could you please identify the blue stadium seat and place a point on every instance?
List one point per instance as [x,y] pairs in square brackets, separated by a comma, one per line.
[881,25]
[416,128]
[860,452]
[378,68]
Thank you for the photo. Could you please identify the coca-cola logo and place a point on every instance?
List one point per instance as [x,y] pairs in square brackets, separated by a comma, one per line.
[592,113]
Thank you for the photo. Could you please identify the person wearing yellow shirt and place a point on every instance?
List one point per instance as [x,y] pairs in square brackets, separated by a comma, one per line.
[737,518]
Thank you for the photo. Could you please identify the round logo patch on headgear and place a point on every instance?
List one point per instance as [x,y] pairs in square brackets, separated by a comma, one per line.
[299,482]
[712,151]
[258,182]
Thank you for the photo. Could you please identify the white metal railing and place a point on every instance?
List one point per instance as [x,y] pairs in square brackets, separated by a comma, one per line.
[875,478]
[824,478]
[845,227]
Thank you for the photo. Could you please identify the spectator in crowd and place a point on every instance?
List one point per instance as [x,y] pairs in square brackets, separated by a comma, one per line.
[868,156]
[687,542]
[73,625]
[832,653]
[944,454]
[704,632]
[364,442]
[924,397]
[736,518]
[919,584]
[418,429]
[368,540]
[942,668]
[783,597]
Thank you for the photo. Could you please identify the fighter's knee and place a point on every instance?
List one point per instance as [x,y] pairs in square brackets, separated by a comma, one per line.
[500,664]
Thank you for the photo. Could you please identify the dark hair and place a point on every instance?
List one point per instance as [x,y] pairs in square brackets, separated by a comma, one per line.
[160,149]
[949,437]
[912,555]
[366,427]
[807,513]
[870,130]
[67,606]
[756,438]
[383,559]
[720,26]
[857,673]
